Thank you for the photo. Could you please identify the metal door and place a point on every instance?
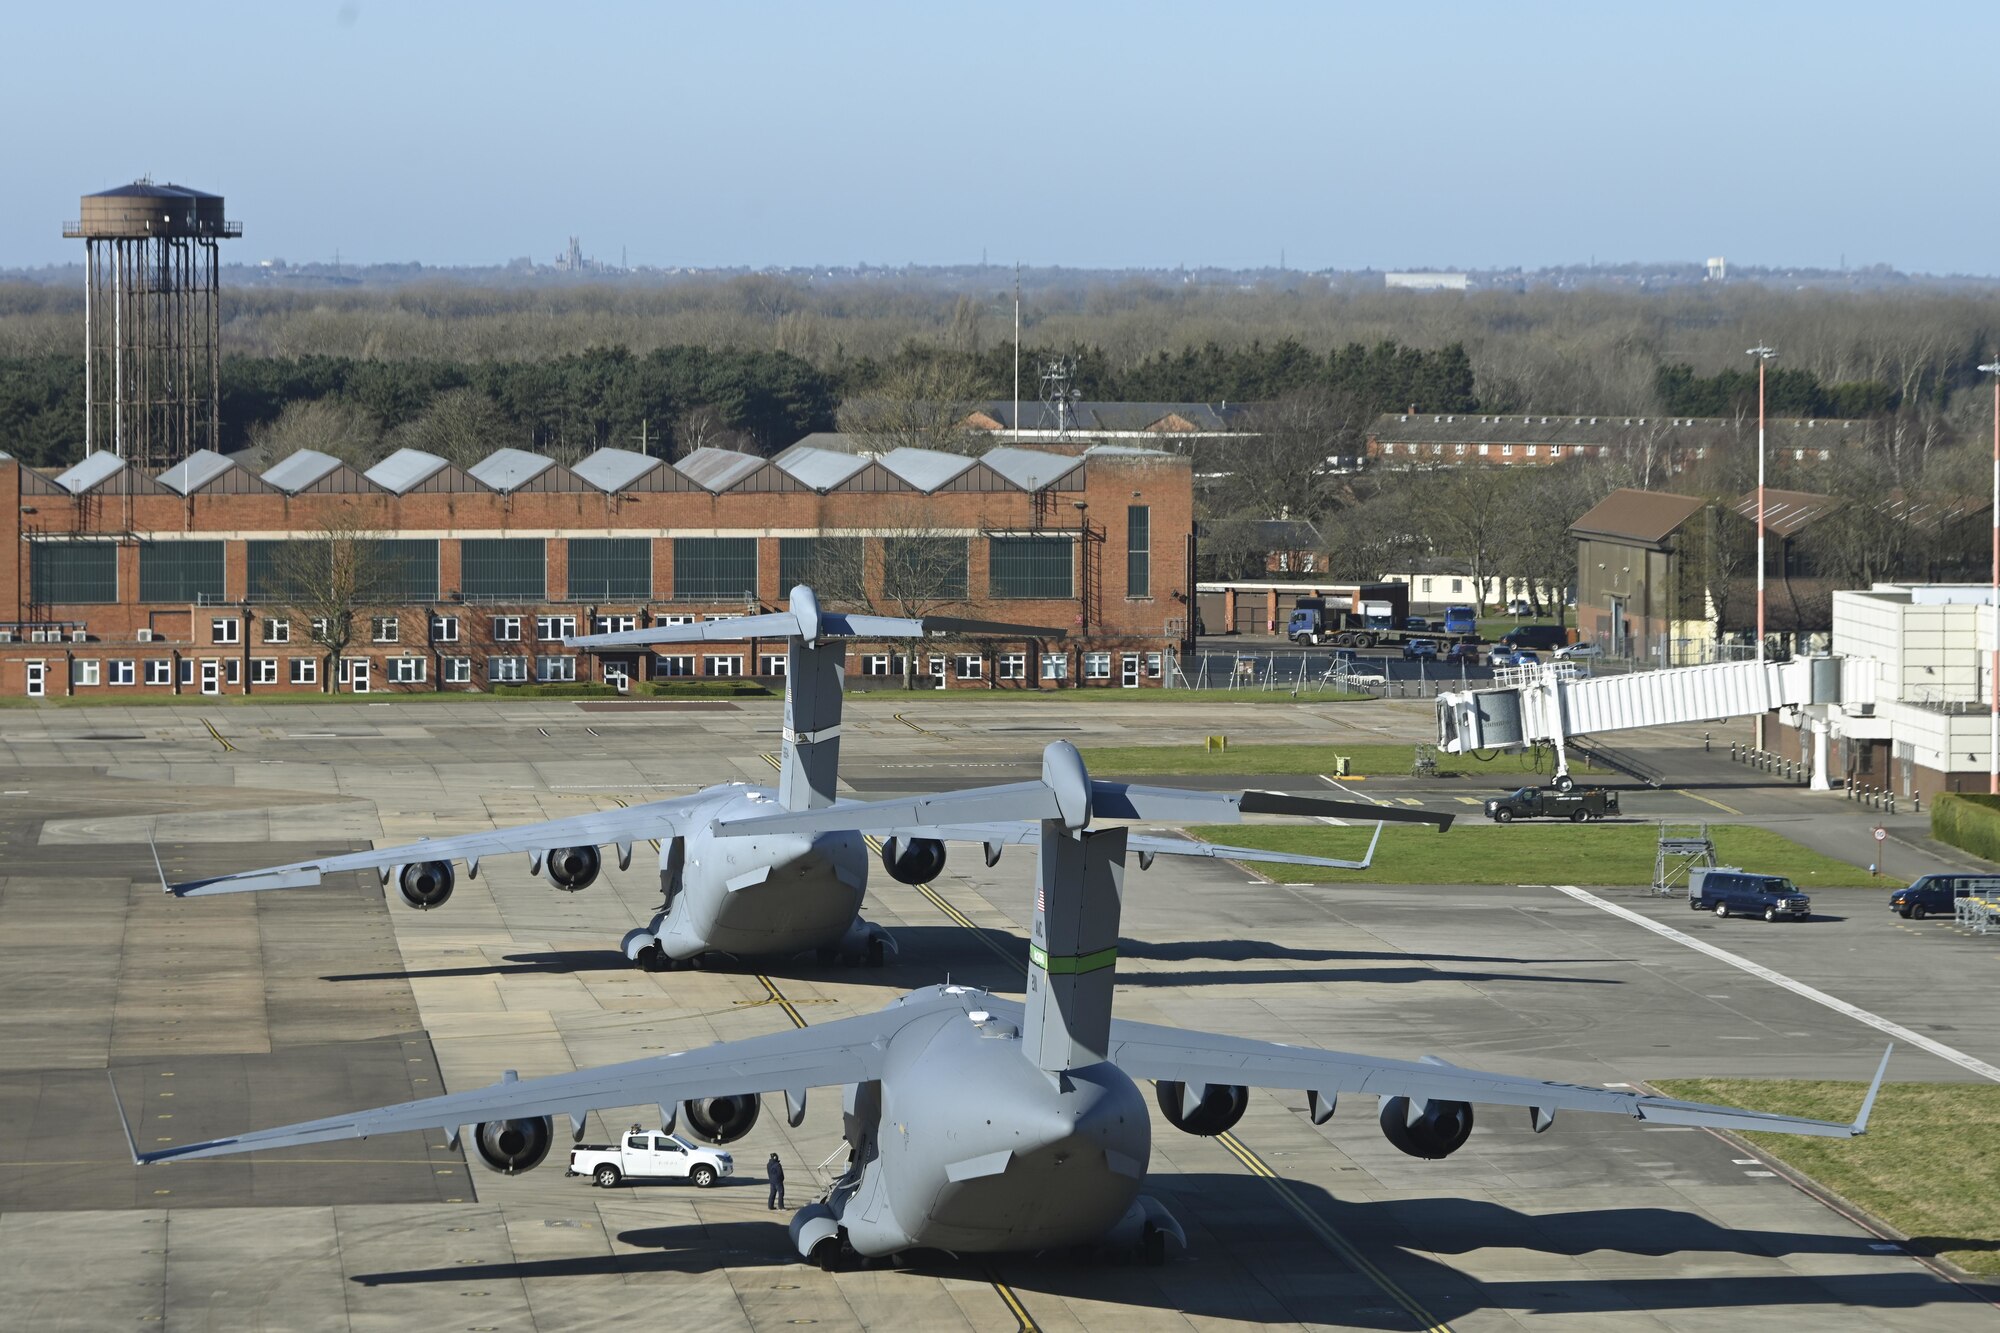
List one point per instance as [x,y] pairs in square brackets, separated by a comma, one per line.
[38,679]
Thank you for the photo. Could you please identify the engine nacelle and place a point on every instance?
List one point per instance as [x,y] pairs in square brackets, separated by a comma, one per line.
[425,884]
[913,860]
[513,1146]
[1220,1107]
[1432,1130]
[723,1119]
[573,868]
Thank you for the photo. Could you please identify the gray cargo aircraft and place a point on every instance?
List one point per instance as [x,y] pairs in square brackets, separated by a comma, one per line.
[773,895]
[978,1124]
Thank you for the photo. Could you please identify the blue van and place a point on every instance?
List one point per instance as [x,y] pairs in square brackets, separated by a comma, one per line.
[1938,895]
[1734,891]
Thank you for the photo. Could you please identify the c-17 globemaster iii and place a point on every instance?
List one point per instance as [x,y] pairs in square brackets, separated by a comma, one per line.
[770,896]
[981,1124]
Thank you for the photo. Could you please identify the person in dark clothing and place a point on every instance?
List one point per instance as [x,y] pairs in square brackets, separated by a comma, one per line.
[774,1171]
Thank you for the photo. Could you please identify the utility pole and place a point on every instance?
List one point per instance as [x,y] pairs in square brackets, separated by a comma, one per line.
[1993,666]
[1763,355]
[1017,349]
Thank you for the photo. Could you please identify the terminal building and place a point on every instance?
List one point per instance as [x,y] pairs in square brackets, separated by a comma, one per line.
[119,579]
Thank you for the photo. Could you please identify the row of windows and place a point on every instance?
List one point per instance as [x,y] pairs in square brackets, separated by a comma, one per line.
[379,571]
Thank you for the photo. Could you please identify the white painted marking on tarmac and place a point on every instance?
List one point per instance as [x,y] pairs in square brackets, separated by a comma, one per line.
[1760,1175]
[1744,1161]
[1971,1064]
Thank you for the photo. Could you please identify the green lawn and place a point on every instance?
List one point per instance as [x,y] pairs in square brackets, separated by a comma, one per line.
[193,699]
[1909,1169]
[1151,761]
[1148,695]
[1478,852]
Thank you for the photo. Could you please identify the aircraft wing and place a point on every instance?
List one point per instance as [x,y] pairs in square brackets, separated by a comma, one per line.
[654,819]
[1144,1050]
[847,1050]
[998,835]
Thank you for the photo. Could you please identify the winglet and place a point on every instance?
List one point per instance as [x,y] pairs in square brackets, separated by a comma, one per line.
[164,886]
[1868,1103]
[123,1123]
[1368,858]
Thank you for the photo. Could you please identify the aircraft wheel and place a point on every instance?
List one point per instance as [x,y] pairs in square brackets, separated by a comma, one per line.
[875,953]
[1564,782]
[1153,1251]
[828,1254]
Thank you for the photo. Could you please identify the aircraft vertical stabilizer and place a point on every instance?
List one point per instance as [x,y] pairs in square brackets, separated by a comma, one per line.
[810,767]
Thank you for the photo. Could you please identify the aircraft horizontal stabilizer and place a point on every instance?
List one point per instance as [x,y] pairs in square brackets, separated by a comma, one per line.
[804,620]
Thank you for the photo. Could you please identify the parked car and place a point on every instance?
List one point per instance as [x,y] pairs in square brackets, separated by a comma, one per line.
[1543,637]
[1938,895]
[1464,652]
[1734,891]
[1521,657]
[1571,650]
[1416,622]
[650,1155]
[1425,648]
[1576,805]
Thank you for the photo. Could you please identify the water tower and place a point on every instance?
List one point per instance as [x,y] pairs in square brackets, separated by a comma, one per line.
[152,320]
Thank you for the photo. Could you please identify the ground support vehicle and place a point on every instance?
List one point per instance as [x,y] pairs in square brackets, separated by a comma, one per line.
[650,1155]
[1576,805]
[1313,623]
[1938,895]
[1734,891]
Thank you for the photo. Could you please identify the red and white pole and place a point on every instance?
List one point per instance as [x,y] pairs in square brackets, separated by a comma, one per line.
[1763,354]
[1993,720]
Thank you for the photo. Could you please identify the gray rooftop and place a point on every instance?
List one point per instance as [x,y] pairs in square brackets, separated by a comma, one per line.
[717,469]
[615,469]
[295,472]
[1030,469]
[821,469]
[509,469]
[926,469]
[406,469]
[195,471]
[95,469]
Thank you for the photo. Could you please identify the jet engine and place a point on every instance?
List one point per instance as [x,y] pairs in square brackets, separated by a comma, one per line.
[1220,1106]
[573,868]
[913,860]
[723,1119]
[1431,1130]
[513,1146]
[425,884]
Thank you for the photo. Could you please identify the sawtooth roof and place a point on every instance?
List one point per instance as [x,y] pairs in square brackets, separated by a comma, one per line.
[297,471]
[615,469]
[406,469]
[95,469]
[195,471]
[509,469]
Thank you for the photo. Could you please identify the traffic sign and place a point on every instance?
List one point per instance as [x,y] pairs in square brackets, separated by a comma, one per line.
[1881,834]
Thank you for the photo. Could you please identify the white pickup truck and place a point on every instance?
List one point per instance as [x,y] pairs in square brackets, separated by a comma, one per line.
[649,1155]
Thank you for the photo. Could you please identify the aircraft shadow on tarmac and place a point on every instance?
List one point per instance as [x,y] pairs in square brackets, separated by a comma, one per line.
[1250,1261]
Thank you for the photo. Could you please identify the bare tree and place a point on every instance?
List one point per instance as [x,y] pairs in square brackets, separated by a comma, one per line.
[921,404]
[326,425]
[924,570]
[1288,468]
[460,426]
[330,578]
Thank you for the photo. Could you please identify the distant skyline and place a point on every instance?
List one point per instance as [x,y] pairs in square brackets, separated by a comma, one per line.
[1114,135]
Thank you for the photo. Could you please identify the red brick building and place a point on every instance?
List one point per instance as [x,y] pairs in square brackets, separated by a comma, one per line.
[115,581]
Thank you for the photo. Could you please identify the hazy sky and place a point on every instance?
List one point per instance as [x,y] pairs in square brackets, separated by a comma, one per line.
[1158,133]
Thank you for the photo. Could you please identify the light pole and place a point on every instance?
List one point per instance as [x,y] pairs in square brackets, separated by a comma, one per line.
[1763,355]
[1993,722]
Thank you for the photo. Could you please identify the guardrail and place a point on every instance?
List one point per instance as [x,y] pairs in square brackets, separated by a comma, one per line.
[1766,761]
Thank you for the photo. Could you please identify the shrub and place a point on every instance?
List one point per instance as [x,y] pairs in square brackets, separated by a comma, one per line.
[1968,822]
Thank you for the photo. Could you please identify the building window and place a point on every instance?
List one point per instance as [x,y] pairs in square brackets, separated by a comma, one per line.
[406,670]
[715,569]
[924,569]
[1097,666]
[506,629]
[159,671]
[614,624]
[554,627]
[677,665]
[320,629]
[385,629]
[725,666]
[1055,666]
[277,631]
[1031,567]
[232,670]
[875,664]
[968,666]
[180,572]
[226,629]
[305,670]
[84,672]
[124,671]
[1139,551]
[1013,666]
[385,569]
[506,670]
[72,573]
[1457,586]
[444,629]
[831,566]
[187,671]
[511,569]
[675,618]
[1154,661]
[611,569]
[457,670]
[772,664]
[263,671]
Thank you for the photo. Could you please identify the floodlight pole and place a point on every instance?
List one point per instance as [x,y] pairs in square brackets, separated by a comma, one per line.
[1763,355]
[1993,667]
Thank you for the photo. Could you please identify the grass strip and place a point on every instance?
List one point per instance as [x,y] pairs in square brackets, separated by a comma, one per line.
[1369,760]
[1611,855]
[1905,1169]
